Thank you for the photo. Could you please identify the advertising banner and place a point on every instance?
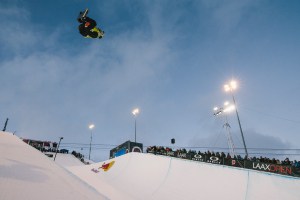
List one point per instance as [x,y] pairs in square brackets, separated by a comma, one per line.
[126,147]
[266,167]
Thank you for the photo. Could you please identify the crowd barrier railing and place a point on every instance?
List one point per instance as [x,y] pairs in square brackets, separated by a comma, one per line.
[288,170]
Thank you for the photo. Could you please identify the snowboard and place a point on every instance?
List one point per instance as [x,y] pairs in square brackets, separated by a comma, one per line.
[83,14]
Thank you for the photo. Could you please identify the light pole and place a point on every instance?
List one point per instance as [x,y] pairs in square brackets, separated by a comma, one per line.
[230,87]
[91,126]
[135,112]
[58,147]
[217,111]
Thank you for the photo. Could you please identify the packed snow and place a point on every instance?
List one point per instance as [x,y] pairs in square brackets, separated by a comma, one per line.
[26,173]
[65,160]
[148,176]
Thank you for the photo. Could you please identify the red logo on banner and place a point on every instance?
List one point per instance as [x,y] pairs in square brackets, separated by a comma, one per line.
[105,167]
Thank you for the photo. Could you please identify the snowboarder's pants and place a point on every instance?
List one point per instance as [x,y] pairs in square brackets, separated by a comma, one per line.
[98,31]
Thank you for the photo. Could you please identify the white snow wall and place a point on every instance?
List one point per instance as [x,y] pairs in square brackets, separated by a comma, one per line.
[27,174]
[147,176]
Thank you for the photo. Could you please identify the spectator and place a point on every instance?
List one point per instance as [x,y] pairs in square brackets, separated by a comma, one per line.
[296,164]
[286,161]
[228,156]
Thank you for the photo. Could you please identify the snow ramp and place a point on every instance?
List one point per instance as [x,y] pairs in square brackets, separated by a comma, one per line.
[65,160]
[27,174]
[139,176]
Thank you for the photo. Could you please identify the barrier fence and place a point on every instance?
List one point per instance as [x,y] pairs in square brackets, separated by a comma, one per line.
[288,170]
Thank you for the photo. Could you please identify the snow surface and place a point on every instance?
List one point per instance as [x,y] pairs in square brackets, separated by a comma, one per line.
[66,160]
[147,176]
[26,173]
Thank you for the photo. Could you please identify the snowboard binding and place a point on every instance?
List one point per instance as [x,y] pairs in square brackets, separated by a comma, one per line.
[82,15]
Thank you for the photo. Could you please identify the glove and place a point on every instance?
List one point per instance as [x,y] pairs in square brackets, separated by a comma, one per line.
[87,24]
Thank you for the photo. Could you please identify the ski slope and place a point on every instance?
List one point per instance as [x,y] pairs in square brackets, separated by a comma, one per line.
[147,176]
[66,160]
[27,174]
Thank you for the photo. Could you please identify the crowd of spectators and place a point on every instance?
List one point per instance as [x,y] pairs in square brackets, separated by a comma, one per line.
[78,155]
[221,155]
[43,149]
[48,149]
[40,145]
[81,157]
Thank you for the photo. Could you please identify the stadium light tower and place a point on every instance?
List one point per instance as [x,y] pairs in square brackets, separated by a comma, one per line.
[226,109]
[230,87]
[91,126]
[135,112]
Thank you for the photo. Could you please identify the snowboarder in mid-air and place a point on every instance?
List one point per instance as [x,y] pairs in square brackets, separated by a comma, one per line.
[87,26]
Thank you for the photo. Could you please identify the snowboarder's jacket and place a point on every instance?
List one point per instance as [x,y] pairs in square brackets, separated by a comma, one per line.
[88,28]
